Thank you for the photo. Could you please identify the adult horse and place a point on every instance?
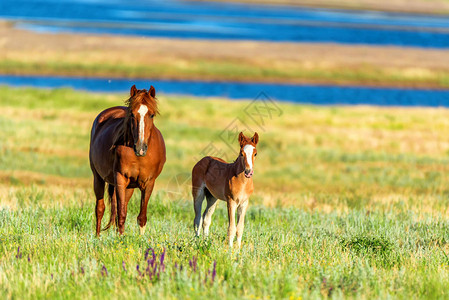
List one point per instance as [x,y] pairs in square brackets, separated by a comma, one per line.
[127,151]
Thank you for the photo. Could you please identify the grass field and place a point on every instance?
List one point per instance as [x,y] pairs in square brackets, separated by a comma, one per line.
[348,202]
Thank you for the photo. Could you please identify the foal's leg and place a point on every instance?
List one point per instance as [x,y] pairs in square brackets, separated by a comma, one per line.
[231,217]
[122,203]
[241,211]
[207,216]
[145,196]
[99,194]
[198,198]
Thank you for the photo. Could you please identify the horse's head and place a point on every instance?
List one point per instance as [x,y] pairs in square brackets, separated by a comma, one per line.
[248,151]
[142,107]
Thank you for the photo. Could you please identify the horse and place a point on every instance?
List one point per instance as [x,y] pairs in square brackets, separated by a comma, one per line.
[127,151]
[214,179]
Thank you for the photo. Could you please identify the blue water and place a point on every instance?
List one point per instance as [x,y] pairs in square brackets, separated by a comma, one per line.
[310,94]
[184,19]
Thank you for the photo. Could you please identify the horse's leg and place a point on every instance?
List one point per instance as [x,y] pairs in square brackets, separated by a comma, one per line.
[113,202]
[122,204]
[241,211]
[207,216]
[231,217]
[198,198]
[99,186]
[145,196]
[128,194]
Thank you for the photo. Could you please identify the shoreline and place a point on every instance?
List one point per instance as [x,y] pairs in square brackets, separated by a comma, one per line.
[438,8]
[23,52]
[311,82]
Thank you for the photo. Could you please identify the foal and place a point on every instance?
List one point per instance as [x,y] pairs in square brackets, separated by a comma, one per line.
[214,178]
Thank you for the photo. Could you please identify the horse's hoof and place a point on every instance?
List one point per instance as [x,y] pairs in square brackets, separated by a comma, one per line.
[142,230]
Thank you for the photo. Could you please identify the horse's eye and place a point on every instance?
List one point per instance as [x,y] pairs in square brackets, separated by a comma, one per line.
[255,154]
[152,116]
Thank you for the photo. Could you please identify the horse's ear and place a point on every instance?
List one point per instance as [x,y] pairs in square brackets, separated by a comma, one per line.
[152,91]
[133,91]
[255,138]
[241,139]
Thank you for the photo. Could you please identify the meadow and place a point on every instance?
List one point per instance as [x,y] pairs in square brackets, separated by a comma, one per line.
[349,202]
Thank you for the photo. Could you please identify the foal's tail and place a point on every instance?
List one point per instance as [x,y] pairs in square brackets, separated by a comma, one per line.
[113,205]
[198,191]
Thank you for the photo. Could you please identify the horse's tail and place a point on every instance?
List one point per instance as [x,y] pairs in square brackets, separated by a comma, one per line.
[113,205]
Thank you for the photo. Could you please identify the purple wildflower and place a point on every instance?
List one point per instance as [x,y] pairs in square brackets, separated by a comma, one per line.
[123,265]
[153,272]
[19,254]
[162,260]
[193,263]
[214,271]
[104,271]
[148,269]
[146,253]
[153,259]
[29,259]
[82,270]
[154,265]
[178,266]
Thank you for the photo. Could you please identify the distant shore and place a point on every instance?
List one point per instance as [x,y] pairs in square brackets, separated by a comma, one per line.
[24,52]
[438,7]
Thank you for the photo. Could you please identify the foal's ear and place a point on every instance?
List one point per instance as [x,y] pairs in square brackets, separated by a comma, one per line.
[133,91]
[152,91]
[241,138]
[255,138]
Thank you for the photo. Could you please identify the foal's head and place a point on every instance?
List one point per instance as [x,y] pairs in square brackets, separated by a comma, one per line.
[248,151]
[142,107]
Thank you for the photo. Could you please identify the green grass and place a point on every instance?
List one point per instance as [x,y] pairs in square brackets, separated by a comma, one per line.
[231,70]
[286,253]
[349,202]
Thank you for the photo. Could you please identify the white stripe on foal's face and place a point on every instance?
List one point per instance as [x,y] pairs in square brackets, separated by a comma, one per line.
[248,149]
[142,111]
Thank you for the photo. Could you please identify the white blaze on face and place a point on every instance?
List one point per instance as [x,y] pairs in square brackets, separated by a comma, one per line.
[142,111]
[248,149]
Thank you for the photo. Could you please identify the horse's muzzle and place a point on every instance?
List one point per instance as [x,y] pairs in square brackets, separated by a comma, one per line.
[249,173]
[140,150]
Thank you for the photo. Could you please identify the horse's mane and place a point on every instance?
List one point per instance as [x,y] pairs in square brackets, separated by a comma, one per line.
[123,136]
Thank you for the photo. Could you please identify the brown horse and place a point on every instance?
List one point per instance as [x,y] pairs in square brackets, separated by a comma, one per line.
[126,151]
[214,178]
